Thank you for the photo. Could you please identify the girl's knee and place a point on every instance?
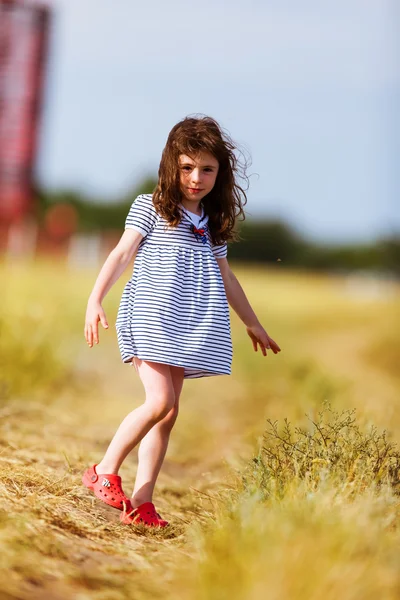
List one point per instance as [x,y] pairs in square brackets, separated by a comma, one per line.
[160,406]
[168,421]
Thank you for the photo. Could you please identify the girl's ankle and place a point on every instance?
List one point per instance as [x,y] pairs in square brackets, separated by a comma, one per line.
[138,501]
[106,469]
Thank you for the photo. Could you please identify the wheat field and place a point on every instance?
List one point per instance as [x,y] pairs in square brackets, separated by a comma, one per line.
[281,481]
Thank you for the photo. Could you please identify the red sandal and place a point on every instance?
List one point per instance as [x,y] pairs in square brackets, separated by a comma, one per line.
[144,514]
[107,488]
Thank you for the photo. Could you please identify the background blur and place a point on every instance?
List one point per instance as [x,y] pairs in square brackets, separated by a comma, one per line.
[310,91]
[270,493]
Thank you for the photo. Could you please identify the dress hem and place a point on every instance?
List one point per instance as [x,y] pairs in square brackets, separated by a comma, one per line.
[202,372]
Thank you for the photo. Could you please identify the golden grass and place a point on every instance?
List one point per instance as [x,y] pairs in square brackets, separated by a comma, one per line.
[235,532]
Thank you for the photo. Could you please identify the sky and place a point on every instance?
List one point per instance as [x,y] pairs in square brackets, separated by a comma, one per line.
[310,90]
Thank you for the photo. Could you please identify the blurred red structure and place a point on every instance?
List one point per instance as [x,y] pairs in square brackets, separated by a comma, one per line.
[61,222]
[24,28]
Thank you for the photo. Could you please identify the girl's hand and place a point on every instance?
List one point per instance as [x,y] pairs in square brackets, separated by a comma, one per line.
[261,337]
[94,314]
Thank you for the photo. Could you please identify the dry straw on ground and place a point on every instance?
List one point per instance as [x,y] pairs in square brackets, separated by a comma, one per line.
[280,482]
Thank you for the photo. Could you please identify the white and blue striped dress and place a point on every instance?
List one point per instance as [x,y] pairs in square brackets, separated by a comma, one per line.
[174,308]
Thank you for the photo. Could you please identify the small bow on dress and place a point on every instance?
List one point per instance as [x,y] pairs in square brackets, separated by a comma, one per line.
[200,234]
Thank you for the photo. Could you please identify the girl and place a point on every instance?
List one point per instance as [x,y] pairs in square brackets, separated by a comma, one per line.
[173,322]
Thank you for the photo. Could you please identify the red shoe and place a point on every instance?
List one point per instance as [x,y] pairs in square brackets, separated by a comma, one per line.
[163,522]
[146,514]
[107,488]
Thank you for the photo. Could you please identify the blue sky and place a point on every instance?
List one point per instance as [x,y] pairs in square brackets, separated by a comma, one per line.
[310,89]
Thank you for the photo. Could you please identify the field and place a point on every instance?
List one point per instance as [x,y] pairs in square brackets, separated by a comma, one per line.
[281,481]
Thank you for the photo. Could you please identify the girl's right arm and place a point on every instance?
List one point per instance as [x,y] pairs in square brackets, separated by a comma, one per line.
[115,265]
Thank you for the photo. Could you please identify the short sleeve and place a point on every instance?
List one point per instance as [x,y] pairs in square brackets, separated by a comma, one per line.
[220,251]
[142,215]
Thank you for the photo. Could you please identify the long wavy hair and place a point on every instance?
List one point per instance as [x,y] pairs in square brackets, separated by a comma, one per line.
[224,203]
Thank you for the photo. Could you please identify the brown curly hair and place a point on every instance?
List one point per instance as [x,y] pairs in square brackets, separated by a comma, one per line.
[224,203]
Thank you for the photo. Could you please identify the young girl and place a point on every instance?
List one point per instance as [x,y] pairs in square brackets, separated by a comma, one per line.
[173,322]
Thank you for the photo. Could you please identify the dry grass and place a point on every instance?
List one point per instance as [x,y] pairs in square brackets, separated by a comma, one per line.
[250,516]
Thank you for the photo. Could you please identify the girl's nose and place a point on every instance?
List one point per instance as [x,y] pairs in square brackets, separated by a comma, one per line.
[196,175]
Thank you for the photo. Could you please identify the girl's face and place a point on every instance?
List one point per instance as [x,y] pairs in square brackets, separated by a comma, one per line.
[197,175]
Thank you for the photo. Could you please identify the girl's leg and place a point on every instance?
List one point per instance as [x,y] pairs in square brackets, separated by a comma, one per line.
[160,399]
[154,445]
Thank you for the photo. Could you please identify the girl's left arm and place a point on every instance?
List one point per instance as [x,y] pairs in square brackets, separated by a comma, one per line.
[238,301]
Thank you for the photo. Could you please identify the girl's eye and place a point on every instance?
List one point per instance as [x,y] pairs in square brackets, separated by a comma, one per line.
[208,169]
[186,168]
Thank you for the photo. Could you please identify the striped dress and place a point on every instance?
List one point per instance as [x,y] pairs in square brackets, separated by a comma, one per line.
[174,308]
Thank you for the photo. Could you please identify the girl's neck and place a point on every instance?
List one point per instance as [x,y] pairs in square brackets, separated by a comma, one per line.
[194,207]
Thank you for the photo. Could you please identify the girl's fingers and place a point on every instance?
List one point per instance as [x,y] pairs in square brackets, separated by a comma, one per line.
[92,329]
[95,329]
[253,339]
[103,321]
[89,336]
[264,343]
[274,346]
[261,342]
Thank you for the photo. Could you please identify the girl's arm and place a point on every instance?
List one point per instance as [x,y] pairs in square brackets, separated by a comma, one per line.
[238,301]
[114,266]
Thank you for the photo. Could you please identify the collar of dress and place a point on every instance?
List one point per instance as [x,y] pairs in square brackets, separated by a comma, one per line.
[203,219]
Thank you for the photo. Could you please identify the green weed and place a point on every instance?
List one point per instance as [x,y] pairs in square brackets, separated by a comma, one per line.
[334,448]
